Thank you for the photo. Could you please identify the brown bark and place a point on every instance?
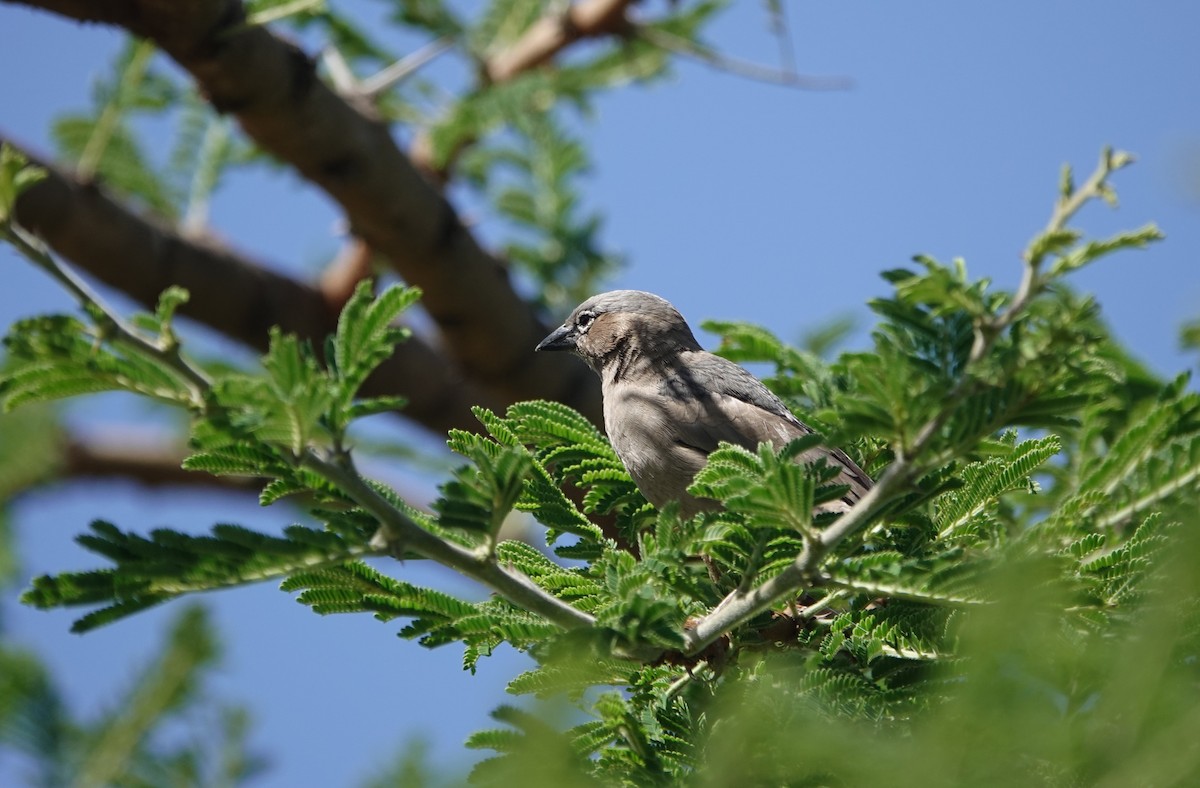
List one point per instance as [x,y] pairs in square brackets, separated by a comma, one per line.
[270,86]
[344,272]
[538,46]
[229,293]
[553,33]
[157,462]
[153,465]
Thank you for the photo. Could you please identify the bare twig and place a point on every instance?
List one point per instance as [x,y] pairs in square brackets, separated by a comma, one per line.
[385,80]
[283,11]
[155,459]
[809,612]
[680,684]
[343,78]
[787,78]
[783,32]
[340,73]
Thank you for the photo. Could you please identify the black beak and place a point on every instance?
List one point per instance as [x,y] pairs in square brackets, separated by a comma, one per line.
[561,338]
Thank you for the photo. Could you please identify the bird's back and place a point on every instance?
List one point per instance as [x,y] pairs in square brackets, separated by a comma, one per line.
[666,419]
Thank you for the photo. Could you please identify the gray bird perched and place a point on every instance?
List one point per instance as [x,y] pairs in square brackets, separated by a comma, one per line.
[668,403]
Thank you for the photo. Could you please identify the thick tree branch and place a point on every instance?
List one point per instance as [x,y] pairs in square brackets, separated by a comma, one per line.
[157,461]
[351,265]
[155,464]
[271,87]
[229,293]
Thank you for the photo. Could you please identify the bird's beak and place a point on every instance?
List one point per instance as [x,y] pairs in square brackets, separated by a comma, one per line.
[561,338]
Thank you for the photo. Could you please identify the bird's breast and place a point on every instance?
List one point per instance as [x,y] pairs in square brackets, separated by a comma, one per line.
[645,432]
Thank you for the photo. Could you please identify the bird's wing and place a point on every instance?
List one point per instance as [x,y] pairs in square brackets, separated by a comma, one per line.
[721,401]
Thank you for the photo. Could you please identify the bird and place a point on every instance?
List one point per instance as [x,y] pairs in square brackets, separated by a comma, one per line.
[668,403]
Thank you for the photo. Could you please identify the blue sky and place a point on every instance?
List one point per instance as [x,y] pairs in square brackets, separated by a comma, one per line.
[733,199]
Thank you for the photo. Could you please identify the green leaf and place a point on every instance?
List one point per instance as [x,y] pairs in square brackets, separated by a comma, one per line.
[168,564]
[59,356]
[1094,250]
[365,336]
[480,498]
[984,483]
[16,175]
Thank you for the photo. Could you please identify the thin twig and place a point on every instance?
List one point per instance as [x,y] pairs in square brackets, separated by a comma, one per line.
[811,611]
[401,534]
[340,73]
[678,685]
[742,68]
[783,31]
[397,72]
[122,332]
[283,11]
[110,116]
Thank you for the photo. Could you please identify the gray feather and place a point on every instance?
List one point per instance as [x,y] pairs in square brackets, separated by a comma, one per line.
[668,403]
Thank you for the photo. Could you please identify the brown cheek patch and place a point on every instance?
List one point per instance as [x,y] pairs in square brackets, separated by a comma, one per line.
[604,333]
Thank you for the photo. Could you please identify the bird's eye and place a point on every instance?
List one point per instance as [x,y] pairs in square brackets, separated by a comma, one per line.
[584,320]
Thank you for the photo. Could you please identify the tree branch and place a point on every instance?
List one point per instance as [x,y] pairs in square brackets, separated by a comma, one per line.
[350,266]
[540,43]
[400,534]
[237,297]
[741,68]
[385,80]
[240,298]
[271,87]
[554,32]
[151,463]
[155,460]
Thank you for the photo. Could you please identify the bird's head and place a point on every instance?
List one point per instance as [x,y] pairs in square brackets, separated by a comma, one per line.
[621,321]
